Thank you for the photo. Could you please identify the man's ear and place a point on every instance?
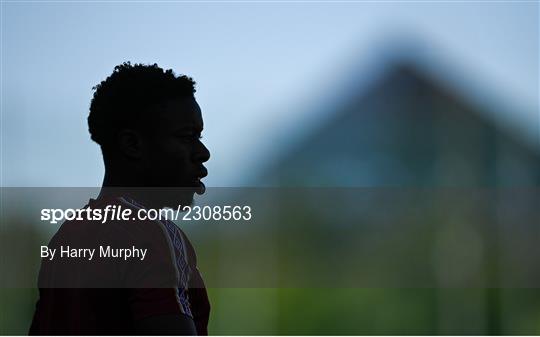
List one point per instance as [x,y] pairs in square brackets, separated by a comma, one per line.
[130,143]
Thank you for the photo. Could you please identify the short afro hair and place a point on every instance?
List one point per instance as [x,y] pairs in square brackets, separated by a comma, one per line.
[123,97]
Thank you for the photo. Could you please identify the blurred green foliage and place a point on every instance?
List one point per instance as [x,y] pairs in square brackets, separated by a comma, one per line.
[323,311]
[311,310]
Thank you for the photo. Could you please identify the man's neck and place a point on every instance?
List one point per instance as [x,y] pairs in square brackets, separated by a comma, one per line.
[116,186]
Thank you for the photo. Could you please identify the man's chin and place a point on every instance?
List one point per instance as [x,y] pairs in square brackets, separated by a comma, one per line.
[201,188]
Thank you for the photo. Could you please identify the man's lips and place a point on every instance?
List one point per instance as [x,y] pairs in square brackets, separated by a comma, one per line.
[202,172]
[201,188]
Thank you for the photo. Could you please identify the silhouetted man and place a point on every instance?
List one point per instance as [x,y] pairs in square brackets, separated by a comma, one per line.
[149,126]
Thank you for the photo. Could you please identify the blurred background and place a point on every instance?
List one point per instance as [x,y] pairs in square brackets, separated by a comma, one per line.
[395,96]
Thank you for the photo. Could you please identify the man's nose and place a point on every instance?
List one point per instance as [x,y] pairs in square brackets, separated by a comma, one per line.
[202,154]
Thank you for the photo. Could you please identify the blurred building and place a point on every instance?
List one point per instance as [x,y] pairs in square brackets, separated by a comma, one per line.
[411,130]
[408,129]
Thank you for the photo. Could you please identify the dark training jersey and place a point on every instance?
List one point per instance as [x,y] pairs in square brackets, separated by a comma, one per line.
[106,296]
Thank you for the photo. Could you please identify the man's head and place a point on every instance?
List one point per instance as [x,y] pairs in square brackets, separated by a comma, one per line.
[149,126]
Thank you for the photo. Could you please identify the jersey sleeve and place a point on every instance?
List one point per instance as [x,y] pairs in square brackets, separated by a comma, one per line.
[152,281]
[198,296]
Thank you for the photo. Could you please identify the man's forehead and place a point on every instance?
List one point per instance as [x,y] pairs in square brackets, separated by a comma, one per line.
[180,113]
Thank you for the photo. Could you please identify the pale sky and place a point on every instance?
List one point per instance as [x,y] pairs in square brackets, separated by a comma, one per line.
[259,68]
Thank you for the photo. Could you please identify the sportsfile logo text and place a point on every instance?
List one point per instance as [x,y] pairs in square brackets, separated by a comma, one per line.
[119,213]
